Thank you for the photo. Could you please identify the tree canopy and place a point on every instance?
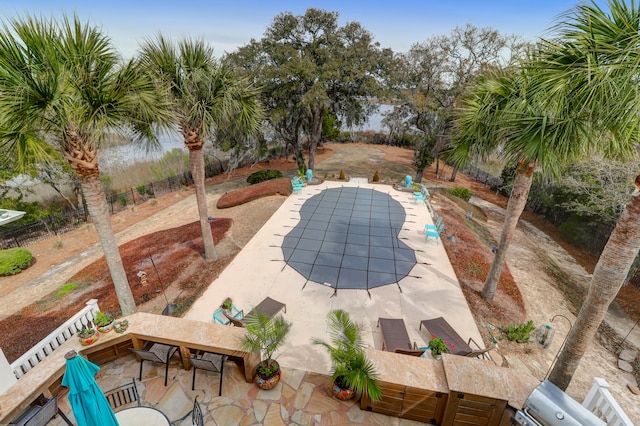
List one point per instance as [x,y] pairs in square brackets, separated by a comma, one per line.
[309,66]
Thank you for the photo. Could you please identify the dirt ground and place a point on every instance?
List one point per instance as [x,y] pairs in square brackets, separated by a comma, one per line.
[529,252]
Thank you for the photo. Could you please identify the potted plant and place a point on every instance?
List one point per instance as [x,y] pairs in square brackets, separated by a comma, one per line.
[104,321]
[88,334]
[121,326]
[437,346]
[227,304]
[352,371]
[265,336]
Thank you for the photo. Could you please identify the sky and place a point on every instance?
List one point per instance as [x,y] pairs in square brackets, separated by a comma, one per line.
[233,23]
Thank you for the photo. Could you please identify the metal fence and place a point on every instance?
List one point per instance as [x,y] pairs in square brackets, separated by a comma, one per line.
[56,224]
[495,183]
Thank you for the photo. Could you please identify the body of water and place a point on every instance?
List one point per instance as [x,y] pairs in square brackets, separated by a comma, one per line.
[123,155]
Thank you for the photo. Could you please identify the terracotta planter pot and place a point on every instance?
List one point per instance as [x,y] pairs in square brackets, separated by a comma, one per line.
[269,382]
[343,394]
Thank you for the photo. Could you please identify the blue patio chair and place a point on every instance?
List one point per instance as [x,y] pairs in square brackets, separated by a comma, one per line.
[435,234]
[422,195]
[434,227]
[296,183]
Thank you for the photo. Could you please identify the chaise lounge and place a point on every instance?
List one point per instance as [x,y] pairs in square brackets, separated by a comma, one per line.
[268,307]
[395,337]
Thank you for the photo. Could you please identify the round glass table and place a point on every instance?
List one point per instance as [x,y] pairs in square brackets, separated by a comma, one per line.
[135,416]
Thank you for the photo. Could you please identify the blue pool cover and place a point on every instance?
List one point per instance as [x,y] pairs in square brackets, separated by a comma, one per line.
[347,238]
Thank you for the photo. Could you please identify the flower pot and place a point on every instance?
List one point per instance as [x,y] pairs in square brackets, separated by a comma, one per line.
[121,326]
[435,355]
[106,328]
[86,341]
[268,382]
[343,394]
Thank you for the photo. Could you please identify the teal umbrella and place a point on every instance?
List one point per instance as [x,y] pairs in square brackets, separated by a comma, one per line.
[90,407]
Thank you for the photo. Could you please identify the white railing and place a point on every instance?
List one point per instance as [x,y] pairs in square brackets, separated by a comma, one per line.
[601,403]
[60,335]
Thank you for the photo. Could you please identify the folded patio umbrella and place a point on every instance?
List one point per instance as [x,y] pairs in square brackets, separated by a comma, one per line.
[90,406]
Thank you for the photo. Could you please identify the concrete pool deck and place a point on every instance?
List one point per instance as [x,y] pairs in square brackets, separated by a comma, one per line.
[430,290]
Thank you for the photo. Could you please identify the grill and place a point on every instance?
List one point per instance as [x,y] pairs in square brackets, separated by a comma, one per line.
[547,405]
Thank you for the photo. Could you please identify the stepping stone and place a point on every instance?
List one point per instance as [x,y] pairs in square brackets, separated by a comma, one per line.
[628,355]
[625,366]
[174,403]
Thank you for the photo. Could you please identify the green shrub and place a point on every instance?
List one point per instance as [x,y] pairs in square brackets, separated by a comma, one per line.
[519,333]
[67,288]
[262,175]
[376,177]
[463,193]
[15,260]
[142,189]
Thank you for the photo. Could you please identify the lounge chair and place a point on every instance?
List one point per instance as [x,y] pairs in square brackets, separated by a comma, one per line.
[395,337]
[441,328]
[268,307]
[479,353]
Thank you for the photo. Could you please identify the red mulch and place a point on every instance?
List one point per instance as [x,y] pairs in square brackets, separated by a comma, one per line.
[177,254]
[471,257]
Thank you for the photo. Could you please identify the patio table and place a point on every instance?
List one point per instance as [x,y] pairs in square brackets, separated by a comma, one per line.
[441,328]
[135,416]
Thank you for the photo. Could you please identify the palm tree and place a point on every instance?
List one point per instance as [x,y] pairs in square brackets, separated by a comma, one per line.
[351,367]
[594,63]
[500,114]
[63,88]
[206,94]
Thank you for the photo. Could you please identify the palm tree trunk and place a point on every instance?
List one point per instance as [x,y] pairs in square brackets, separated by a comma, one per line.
[419,174]
[196,159]
[609,275]
[515,207]
[99,212]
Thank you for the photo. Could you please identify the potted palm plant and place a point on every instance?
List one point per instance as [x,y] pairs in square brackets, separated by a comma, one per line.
[352,371]
[265,336]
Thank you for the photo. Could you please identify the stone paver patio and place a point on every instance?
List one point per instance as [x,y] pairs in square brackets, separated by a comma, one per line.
[301,398]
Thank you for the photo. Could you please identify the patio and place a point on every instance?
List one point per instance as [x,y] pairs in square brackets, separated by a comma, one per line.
[429,290]
[300,398]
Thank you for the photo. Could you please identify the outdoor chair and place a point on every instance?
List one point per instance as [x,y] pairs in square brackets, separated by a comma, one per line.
[422,188]
[268,307]
[123,395]
[208,361]
[479,353]
[197,419]
[435,234]
[395,337]
[296,183]
[441,328]
[434,227]
[422,195]
[40,413]
[158,352]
